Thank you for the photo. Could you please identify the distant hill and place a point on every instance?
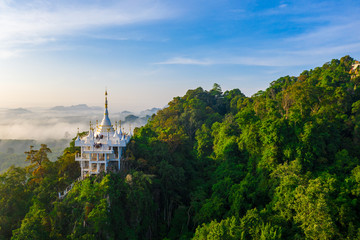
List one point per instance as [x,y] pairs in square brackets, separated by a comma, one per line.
[18,111]
[79,107]
[149,111]
[131,118]
[125,112]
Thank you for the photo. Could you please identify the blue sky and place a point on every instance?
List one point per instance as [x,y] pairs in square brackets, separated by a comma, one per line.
[148,51]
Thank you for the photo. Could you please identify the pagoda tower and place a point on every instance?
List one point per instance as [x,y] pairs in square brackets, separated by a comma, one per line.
[102,149]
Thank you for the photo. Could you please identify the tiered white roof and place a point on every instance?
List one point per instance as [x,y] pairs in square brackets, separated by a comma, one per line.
[104,133]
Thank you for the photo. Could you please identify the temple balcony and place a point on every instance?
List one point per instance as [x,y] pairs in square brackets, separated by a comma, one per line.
[99,151]
[102,149]
[100,159]
[79,157]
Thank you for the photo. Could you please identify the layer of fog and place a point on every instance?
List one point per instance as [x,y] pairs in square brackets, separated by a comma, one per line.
[62,122]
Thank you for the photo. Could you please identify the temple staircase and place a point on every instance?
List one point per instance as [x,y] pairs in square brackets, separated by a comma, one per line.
[68,189]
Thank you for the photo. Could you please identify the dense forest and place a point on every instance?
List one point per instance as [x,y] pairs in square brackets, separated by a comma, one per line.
[282,164]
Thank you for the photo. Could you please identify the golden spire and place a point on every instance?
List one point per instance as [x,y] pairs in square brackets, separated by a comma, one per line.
[115,125]
[106,103]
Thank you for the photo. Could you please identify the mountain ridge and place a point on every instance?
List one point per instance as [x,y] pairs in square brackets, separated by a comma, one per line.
[282,164]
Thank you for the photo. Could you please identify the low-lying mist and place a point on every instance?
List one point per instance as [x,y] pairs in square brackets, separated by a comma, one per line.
[62,122]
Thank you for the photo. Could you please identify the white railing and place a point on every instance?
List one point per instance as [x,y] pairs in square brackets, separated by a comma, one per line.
[68,189]
[85,158]
[100,149]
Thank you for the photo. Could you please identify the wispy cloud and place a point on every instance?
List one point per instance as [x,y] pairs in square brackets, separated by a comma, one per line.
[186,61]
[277,57]
[253,60]
[343,32]
[38,22]
[331,36]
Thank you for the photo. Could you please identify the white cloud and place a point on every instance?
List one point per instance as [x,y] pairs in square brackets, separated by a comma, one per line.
[8,53]
[39,22]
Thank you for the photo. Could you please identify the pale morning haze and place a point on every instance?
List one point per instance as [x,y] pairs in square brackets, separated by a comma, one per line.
[147,52]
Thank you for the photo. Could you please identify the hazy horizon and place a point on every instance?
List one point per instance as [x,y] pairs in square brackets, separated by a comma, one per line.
[61,122]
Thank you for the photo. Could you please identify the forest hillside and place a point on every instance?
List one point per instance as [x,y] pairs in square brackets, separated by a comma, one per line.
[282,164]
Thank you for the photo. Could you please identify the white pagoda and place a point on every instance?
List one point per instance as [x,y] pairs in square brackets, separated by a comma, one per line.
[103,148]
